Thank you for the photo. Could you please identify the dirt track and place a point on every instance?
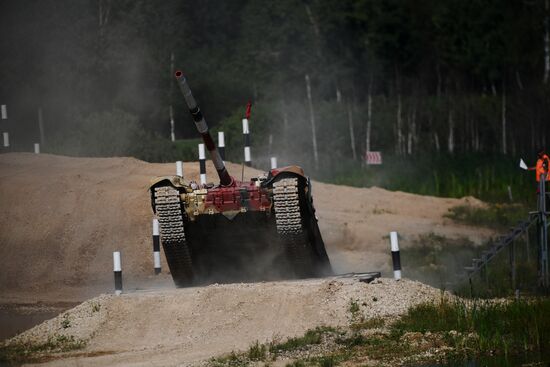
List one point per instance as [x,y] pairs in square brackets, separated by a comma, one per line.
[62,217]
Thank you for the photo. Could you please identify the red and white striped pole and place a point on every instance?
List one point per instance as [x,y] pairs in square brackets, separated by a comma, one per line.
[156,246]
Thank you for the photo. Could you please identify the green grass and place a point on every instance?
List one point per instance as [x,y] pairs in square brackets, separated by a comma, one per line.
[484,327]
[497,216]
[257,352]
[313,336]
[482,176]
[372,323]
[298,363]
[512,330]
[28,352]
[435,260]
[230,360]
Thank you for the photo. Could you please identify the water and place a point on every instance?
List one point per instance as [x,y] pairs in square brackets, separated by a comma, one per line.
[15,319]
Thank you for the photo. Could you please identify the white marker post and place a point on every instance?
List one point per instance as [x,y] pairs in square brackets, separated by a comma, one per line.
[202,162]
[179,168]
[117,269]
[396,258]
[6,135]
[246,134]
[6,140]
[221,145]
[156,246]
[273,162]
[36,148]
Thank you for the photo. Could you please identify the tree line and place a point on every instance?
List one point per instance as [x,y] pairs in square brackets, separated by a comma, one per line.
[328,79]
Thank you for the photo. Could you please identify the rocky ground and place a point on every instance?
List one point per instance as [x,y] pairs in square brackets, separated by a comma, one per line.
[187,326]
[61,219]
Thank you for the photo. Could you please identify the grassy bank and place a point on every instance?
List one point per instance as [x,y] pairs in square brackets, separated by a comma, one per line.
[436,260]
[14,354]
[482,176]
[441,331]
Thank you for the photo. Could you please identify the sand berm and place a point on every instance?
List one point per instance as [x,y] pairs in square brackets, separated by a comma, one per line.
[61,218]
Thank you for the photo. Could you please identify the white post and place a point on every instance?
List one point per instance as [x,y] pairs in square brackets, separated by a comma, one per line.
[5,134]
[221,145]
[117,269]
[396,259]
[246,134]
[36,148]
[202,162]
[273,162]
[179,168]
[172,131]
[156,246]
[6,140]
[312,119]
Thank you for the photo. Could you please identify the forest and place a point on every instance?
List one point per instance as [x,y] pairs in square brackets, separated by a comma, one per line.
[451,92]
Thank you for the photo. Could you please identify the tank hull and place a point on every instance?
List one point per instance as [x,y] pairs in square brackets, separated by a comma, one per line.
[258,230]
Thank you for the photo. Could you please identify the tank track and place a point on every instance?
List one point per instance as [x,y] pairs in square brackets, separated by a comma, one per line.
[288,219]
[172,232]
[286,202]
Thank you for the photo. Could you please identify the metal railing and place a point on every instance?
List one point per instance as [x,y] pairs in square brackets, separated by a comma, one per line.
[538,218]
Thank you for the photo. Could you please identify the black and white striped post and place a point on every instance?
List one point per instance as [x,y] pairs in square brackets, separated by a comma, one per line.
[36,148]
[202,162]
[117,269]
[179,168]
[396,258]
[246,134]
[221,144]
[273,162]
[156,246]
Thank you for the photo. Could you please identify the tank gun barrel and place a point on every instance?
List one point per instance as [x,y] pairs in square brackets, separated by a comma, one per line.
[202,127]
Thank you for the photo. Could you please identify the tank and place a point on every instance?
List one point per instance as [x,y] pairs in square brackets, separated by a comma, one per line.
[261,229]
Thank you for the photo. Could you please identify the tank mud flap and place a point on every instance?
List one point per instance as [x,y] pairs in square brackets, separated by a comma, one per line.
[323,266]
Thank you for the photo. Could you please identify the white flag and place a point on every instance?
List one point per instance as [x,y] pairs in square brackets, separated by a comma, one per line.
[522,164]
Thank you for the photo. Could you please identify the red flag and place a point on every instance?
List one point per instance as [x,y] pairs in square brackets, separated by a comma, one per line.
[248,110]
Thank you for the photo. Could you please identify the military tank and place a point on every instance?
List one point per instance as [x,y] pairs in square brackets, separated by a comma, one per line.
[260,229]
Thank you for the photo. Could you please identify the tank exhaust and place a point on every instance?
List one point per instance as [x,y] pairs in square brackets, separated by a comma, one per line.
[225,179]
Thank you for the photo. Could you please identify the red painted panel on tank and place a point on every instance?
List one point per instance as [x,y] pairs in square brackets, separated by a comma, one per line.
[229,198]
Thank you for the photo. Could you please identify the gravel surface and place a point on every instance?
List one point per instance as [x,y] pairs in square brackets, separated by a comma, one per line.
[186,326]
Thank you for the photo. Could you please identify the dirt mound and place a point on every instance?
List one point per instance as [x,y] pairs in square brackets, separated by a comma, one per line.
[184,326]
[61,218]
